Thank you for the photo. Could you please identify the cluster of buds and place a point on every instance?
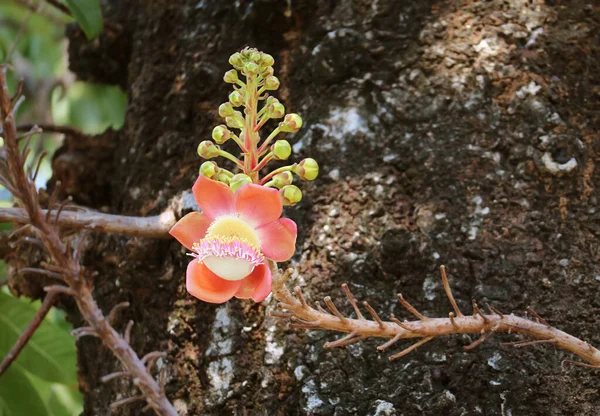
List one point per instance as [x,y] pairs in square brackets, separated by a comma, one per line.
[251,93]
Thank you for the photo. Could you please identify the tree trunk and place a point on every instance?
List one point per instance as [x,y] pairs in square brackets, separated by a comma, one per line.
[460,133]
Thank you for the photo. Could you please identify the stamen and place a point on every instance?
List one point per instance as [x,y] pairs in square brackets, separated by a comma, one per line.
[233,247]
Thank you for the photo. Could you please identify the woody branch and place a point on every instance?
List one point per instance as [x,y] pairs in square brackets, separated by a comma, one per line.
[303,316]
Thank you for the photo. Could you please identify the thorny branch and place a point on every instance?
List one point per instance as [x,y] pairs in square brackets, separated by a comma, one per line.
[64,260]
[303,316]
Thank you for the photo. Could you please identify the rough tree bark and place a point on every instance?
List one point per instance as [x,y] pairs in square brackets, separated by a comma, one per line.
[448,132]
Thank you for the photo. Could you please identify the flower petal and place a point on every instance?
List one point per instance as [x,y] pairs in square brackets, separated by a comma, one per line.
[207,286]
[214,198]
[258,205]
[190,229]
[257,285]
[278,239]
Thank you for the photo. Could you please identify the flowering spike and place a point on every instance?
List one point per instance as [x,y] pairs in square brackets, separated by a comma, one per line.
[209,169]
[281,179]
[291,123]
[231,76]
[221,134]
[236,99]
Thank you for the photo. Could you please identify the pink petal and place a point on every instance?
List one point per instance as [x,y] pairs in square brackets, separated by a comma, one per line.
[278,239]
[258,205]
[257,285]
[190,229]
[214,198]
[207,286]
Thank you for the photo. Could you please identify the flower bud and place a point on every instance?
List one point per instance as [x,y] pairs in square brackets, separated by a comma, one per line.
[255,56]
[267,60]
[250,69]
[268,71]
[281,150]
[236,121]
[231,76]
[221,134]
[208,150]
[271,83]
[209,169]
[290,195]
[226,110]
[236,99]
[291,123]
[222,177]
[282,179]
[236,60]
[276,110]
[307,169]
[238,181]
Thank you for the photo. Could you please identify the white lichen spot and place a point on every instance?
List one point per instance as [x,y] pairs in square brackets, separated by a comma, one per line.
[493,361]
[221,332]
[384,408]
[334,174]
[273,349]
[220,375]
[301,372]
[429,288]
[558,168]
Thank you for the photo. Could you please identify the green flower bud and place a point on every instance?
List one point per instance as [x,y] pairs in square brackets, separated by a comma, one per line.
[221,134]
[231,76]
[209,169]
[226,110]
[271,83]
[255,56]
[281,150]
[236,99]
[250,69]
[276,110]
[235,121]
[208,150]
[307,169]
[282,179]
[236,60]
[238,181]
[268,71]
[291,123]
[290,195]
[222,177]
[267,60]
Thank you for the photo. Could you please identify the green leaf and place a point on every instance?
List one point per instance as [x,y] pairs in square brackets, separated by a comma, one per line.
[88,14]
[49,354]
[18,396]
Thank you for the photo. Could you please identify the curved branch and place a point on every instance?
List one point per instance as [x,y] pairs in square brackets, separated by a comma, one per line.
[307,317]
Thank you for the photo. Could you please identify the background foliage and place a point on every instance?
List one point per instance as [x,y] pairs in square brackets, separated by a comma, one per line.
[43,380]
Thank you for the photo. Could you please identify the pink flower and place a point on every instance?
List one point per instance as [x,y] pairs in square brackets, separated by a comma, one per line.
[231,238]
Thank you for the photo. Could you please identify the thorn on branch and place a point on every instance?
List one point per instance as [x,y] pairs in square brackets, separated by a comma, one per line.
[46,273]
[580,364]
[388,344]
[302,324]
[449,292]
[400,324]
[320,308]
[331,306]
[300,297]
[112,376]
[476,343]
[113,313]
[60,289]
[411,308]
[352,301]
[410,349]
[477,311]
[119,403]
[127,333]
[373,314]
[494,310]
[349,339]
[84,331]
[537,316]
[453,321]
[520,344]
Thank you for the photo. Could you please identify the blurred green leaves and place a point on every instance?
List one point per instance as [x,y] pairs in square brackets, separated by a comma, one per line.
[42,381]
[88,14]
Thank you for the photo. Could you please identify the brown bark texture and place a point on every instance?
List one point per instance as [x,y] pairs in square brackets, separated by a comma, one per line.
[458,132]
